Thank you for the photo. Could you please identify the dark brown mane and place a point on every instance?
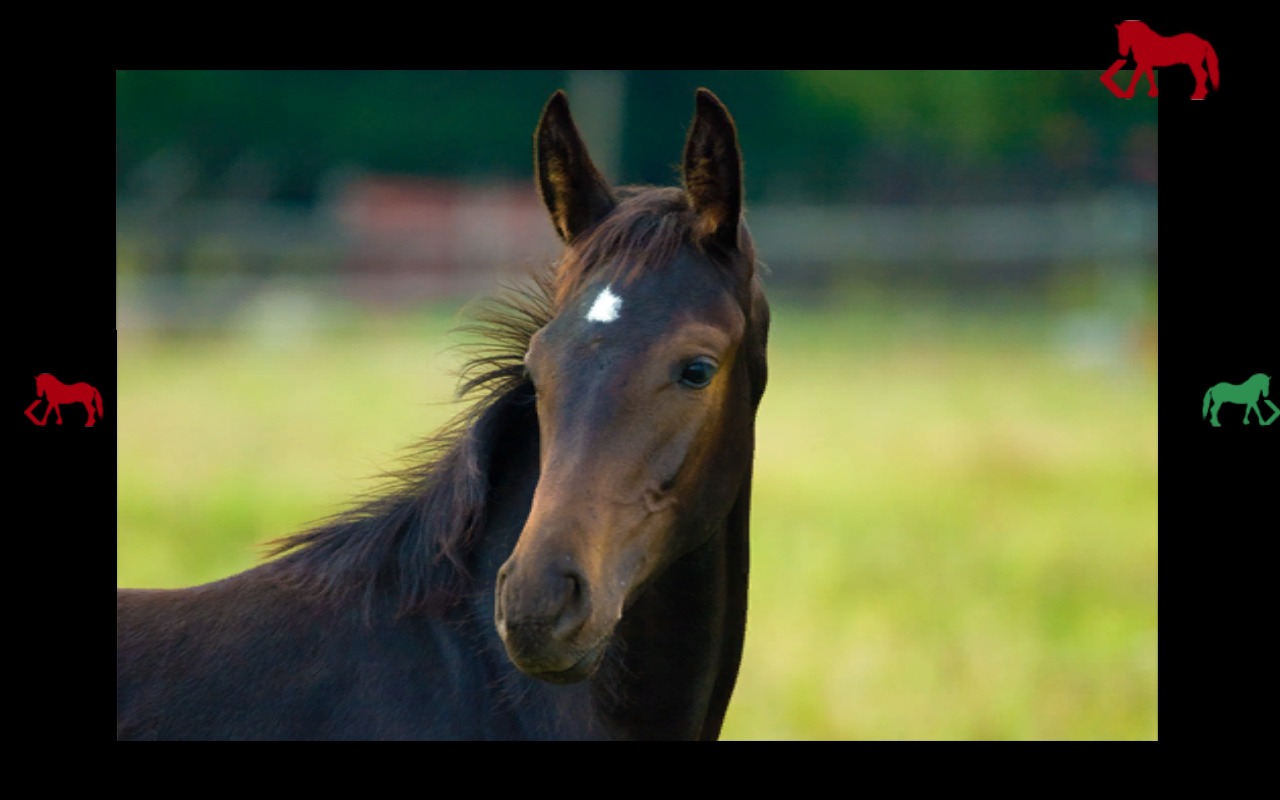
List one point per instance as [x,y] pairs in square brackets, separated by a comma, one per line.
[411,537]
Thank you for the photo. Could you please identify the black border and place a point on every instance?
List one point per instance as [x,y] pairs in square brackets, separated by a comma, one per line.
[1219,276]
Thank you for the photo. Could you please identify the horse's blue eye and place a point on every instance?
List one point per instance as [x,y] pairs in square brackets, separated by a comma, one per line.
[698,373]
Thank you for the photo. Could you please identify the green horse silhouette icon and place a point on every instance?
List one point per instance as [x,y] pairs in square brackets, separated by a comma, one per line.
[1246,394]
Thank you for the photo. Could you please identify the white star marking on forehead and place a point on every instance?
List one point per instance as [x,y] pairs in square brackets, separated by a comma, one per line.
[605,308]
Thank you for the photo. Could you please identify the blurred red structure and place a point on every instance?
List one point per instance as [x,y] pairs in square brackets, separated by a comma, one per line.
[412,238]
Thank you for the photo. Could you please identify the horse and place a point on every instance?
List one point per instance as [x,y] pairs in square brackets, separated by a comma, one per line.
[571,559]
[1246,394]
[1150,49]
[60,394]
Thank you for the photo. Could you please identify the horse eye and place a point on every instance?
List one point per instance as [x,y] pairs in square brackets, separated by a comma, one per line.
[698,373]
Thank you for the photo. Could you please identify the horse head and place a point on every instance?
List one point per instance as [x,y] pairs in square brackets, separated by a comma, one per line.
[647,381]
[43,381]
[1129,33]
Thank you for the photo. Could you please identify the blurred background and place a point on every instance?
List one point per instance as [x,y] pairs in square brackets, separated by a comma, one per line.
[954,516]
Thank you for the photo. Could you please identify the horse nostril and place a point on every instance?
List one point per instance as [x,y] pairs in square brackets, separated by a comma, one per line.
[576,607]
[553,602]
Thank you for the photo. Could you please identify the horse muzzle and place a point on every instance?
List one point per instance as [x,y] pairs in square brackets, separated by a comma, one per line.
[550,620]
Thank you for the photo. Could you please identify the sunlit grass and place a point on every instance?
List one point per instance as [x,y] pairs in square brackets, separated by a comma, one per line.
[954,530]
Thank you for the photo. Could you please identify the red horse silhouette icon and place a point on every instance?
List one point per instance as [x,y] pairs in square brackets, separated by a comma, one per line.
[1150,49]
[59,393]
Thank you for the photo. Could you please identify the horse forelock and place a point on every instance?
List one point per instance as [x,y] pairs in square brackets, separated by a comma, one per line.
[642,235]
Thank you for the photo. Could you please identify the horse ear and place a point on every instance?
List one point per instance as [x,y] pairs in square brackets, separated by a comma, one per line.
[713,171]
[574,191]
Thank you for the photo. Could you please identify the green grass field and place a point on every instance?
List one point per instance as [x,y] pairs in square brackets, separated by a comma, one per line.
[954,526]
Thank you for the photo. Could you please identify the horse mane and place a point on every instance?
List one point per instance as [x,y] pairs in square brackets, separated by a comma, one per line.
[411,538]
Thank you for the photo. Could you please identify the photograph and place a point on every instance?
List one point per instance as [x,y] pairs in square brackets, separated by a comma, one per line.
[750,405]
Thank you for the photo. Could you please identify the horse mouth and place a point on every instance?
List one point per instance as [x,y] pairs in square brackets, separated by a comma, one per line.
[584,668]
